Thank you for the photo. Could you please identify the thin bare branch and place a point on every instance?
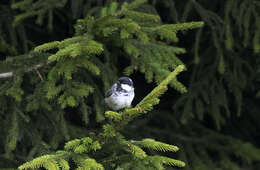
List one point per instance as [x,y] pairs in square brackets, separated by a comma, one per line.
[11,73]
[6,75]
[39,74]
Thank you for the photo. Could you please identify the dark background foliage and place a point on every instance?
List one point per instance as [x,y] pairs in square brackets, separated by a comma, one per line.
[216,123]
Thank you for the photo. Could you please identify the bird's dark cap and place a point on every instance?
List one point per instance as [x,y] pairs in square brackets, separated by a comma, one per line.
[126,80]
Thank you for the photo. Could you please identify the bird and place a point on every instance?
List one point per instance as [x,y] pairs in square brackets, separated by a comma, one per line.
[121,94]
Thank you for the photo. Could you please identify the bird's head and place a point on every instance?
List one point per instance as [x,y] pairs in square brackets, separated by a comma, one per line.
[126,83]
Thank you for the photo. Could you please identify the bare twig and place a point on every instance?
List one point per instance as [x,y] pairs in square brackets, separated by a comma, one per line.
[5,75]
[39,74]
[35,67]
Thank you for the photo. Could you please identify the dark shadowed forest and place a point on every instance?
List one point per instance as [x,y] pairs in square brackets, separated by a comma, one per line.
[195,65]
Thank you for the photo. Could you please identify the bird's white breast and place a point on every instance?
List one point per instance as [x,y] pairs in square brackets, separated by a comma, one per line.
[119,101]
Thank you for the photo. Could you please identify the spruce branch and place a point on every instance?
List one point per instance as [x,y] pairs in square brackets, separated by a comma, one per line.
[162,87]
[79,150]
[133,5]
[181,27]
[46,160]
[146,104]
[11,140]
[155,145]
[137,151]
[169,161]
[113,116]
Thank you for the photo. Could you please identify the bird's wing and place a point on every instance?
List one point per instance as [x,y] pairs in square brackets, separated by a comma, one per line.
[111,90]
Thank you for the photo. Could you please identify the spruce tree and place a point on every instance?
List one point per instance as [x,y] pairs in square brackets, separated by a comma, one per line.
[39,88]
[215,124]
[109,149]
